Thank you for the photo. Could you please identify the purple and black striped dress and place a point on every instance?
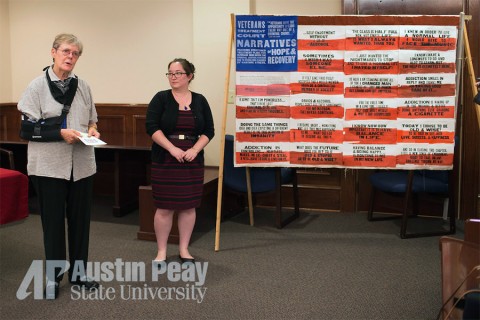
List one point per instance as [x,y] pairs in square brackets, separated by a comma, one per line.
[176,185]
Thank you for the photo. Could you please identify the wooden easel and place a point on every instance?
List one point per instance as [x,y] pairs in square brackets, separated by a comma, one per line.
[471,72]
[222,146]
[222,136]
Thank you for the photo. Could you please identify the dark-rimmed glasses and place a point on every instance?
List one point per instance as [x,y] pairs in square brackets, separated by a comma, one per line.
[176,74]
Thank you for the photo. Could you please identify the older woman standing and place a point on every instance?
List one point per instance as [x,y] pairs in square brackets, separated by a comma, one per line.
[60,167]
[180,123]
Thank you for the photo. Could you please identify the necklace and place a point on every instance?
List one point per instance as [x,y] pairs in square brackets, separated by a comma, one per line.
[182,100]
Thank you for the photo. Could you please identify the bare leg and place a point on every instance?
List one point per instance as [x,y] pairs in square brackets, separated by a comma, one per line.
[186,222]
[163,224]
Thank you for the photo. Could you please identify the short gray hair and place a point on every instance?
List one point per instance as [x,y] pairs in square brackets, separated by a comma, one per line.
[67,38]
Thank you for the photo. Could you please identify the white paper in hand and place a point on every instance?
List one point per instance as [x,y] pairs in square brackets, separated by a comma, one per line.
[91,141]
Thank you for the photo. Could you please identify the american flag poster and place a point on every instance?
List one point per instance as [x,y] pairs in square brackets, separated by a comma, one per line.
[345,91]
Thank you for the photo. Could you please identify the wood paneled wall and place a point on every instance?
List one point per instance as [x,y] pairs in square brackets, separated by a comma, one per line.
[10,122]
[120,125]
[123,124]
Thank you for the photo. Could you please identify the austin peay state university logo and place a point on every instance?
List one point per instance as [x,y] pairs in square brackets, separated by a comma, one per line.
[128,277]
[35,274]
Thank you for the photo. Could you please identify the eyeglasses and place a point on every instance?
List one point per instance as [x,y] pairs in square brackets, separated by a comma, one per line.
[67,52]
[176,74]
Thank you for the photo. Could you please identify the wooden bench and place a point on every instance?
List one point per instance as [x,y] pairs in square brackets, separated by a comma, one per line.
[206,212]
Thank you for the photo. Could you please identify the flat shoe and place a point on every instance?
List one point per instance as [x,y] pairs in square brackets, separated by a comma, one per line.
[186,260]
[51,291]
[159,263]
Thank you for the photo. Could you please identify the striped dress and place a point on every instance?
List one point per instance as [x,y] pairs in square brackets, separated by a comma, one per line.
[176,185]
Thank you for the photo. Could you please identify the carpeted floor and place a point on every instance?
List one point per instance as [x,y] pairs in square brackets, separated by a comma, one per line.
[322,266]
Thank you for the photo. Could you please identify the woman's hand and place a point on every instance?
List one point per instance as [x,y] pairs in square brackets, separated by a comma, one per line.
[93,132]
[178,154]
[190,154]
[70,136]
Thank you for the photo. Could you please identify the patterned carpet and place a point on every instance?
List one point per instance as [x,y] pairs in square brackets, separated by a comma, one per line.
[321,266]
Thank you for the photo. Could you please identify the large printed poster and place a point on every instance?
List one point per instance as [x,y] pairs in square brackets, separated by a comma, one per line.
[345,91]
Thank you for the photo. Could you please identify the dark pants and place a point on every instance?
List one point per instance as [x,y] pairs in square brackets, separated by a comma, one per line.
[58,198]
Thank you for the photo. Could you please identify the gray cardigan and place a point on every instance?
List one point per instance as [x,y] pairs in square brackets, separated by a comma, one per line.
[59,159]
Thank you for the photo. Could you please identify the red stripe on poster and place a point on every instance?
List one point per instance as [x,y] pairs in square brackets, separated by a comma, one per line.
[262,112]
[383,161]
[261,157]
[312,112]
[412,136]
[447,112]
[366,92]
[333,44]
[371,114]
[426,159]
[263,136]
[371,135]
[427,68]
[327,136]
[320,65]
[313,158]
[268,90]
[371,43]
[317,87]
[427,90]
[379,19]
[421,43]
[370,68]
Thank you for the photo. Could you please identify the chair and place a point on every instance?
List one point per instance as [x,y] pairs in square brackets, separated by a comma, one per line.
[410,183]
[460,265]
[262,180]
[472,230]
[9,156]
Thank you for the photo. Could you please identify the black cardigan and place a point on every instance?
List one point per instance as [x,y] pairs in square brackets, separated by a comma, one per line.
[162,114]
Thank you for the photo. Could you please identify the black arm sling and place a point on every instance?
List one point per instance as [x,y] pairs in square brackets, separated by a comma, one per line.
[45,130]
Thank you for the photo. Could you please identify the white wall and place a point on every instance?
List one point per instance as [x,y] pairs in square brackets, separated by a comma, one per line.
[298,7]
[212,32]
[128,44]
[5,66]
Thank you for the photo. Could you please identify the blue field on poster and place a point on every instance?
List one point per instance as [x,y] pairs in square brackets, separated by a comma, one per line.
[266,43]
